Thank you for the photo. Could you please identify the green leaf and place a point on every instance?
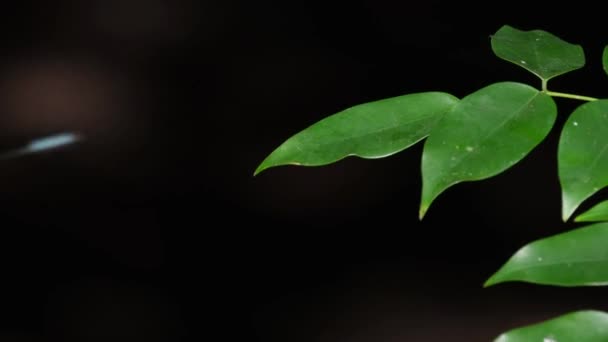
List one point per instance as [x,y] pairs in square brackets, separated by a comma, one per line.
[537,51]
[371,130]
[605,59]
[583,155]
[599,212]
[579,326]
[484,134]
[575,258]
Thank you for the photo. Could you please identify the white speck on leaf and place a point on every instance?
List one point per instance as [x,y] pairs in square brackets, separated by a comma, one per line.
[549,339]
[539,259]
[575,123]
[469,148]
[523,62]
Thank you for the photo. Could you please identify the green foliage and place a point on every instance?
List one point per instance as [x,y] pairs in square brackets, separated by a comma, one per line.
[583,155]
[539,52]
[578,326]
[371,130]
[597,213]
[469,142]
[575,258]
[482,135]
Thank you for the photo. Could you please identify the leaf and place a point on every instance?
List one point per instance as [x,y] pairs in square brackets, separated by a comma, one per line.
[579,326]
[599,212]
[371,130]
[605,59]
[537,51]
[484,134]
[583,155]
[575,258]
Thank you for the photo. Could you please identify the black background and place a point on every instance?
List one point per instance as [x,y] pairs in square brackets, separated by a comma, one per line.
[153,228]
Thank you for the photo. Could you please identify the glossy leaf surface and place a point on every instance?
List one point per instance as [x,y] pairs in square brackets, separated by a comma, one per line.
[575,258]
[580,326]
[484,134]
[597,213]
[583,155]
[537,51]
[372,130]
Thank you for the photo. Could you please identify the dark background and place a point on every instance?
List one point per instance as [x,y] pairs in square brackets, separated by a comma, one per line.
[153,227]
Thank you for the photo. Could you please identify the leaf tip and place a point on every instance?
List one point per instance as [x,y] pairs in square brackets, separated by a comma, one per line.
[263,167]
[569,205]
[259,169]
[489,282]
[566,213]
[496,278]
[422,211]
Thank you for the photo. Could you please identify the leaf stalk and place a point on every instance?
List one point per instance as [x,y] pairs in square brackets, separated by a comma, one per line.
[569,96]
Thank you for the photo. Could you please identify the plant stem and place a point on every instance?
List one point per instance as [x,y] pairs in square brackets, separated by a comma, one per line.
[569,96]
[566,95]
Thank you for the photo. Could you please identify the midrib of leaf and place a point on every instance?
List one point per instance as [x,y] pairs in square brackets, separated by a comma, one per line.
[589,171]
[371,133]
[597,158]
[537,62]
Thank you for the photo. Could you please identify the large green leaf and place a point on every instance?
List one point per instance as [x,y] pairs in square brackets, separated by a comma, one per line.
[605,59]
[579,326]
[575,258]
[372,130]
[583,155]
[598,212]
[539,52]
[484,134]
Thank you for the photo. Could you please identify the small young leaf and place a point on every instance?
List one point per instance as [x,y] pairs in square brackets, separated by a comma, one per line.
[583,155]
[371,130]
[537,51]
[575,258]
[605,59]
[484,134]
[579,326]
[598,212]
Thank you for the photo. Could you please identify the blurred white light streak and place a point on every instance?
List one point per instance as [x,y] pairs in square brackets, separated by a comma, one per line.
[43,144]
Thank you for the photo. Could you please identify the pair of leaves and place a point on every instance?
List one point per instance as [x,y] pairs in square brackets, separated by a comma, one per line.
[475,138]
[575,258]
[470,139]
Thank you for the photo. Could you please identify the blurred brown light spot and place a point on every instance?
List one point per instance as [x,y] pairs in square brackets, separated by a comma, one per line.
[43,96]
